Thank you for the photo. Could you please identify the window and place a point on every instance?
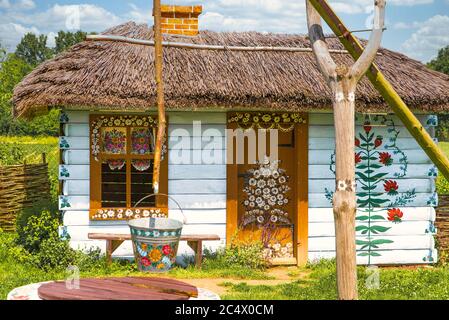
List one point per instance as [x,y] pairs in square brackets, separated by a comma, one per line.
[121,168]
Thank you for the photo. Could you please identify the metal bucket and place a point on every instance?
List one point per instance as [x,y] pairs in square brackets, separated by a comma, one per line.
[155,241]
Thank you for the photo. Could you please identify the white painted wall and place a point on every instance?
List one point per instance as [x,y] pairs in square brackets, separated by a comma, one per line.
[201,188]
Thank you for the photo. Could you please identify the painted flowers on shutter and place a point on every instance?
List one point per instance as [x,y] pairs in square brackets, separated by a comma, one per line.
[142,141]
[114,140]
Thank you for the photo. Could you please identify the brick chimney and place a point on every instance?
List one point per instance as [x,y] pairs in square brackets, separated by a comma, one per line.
[181,20]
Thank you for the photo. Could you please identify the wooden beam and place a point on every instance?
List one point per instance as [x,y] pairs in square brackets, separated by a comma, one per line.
[385,88]
[158,61]
[183,45]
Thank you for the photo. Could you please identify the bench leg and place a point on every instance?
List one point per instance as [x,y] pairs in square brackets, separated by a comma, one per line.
[197,247]
[111,246]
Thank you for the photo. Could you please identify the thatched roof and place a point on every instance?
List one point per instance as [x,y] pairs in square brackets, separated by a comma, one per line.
[119,76]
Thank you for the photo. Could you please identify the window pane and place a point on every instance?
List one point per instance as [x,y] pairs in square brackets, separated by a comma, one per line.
[141,141]
[114,140]
[113,186]
[142,183]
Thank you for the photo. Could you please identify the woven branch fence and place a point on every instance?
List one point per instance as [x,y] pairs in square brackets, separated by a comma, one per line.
[20,187]
[442,224]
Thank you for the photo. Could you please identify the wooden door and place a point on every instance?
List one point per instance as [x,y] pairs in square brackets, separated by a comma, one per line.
[267,198]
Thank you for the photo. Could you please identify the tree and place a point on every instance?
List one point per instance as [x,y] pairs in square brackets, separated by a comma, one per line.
[65,40]
[441,62]
[33,49]
[342,80]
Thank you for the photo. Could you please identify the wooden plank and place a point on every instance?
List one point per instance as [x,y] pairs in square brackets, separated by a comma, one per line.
[328,119]
[77,116]
[410,214]
[326,229]
[414,171]
[328,143]
[195,171]
[75,156]
[319,200]
[123,237]
[195,143]
[205,216]
[126,288]
[406,242]
[397,257]
[302,199]
[74,143]
[192,186]
[199,201]
[183,117]
[413,156]
[76,130]
[216,130]
[76,187]
[425,185]
[80,233]
[183,156]
[74,172]
[73,203]
[329,132]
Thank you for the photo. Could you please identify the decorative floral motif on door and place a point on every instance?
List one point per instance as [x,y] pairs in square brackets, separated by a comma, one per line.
[377,185]
[265,197]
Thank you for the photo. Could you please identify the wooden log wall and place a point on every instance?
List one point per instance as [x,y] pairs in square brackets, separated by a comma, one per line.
[20,187]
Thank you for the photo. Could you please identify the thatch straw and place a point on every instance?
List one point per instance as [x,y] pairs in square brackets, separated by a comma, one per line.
[119,76]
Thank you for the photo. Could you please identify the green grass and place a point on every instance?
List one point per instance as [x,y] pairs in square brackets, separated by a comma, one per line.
[426,283]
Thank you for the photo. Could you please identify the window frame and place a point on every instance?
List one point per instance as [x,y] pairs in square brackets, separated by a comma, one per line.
[127,121]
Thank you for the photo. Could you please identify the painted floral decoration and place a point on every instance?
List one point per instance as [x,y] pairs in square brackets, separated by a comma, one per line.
[116,164]
[141,165]
[395,215]
[385,158]
[114,141]
[142,141]
[391,187]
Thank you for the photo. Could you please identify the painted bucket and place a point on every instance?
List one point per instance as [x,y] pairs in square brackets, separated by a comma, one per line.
[155,242]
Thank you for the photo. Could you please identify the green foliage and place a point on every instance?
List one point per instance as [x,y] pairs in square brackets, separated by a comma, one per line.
[246,255]
[442,131]
[442,185]
[10,154]
[441,62]
[33,49]
[38,228]
[54,253]
[65,40]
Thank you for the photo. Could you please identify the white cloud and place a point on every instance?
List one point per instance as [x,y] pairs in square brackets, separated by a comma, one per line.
[26,4]
[431,36]
[4,4]
[10,33]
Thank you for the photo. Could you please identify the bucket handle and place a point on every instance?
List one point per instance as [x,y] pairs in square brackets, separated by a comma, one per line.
[169,197]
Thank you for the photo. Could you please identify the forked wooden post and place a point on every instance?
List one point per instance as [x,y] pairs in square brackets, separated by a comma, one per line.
[343,80]
[158,60]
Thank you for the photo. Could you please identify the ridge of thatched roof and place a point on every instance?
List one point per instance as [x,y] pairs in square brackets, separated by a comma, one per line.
[118,76]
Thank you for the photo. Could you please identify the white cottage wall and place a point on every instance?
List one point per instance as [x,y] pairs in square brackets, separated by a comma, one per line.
[197,180]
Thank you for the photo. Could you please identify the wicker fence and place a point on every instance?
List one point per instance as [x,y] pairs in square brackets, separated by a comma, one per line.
[20,187]
[442,224]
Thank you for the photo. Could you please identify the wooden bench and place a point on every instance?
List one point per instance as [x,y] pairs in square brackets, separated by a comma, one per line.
[113,241]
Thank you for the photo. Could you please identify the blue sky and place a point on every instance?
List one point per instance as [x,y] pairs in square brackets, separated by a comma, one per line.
[417,28]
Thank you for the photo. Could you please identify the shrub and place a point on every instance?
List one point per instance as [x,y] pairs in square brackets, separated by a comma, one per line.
[37,229]
[442,185]
[54,254]
[10,154]
[248,255]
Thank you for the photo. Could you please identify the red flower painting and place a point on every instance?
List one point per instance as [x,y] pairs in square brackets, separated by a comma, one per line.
[145,261]
[385,158]
[391,187]
[395,215]
[357,142]
[378,142]
[367,128]
[358,158]
[166,250]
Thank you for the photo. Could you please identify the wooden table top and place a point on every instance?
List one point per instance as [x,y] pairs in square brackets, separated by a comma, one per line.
[126,288]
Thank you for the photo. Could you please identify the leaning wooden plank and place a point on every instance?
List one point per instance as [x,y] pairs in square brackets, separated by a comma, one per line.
[384,87]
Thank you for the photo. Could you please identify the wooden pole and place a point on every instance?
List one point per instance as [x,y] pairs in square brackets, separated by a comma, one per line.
[343,80]
[385,88]
[158,61]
